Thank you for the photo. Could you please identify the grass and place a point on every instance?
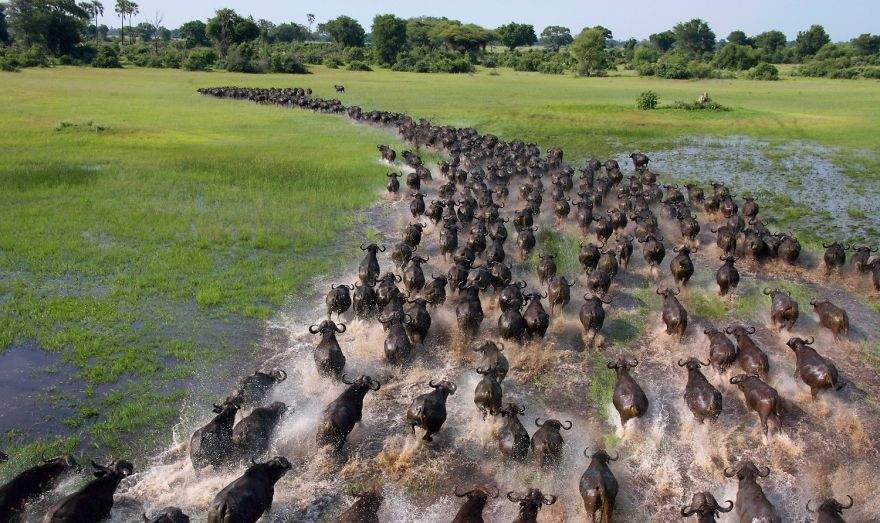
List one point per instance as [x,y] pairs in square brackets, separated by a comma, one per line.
[148,231]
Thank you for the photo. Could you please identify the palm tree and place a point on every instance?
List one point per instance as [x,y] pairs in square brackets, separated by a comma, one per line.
[311,18]
[94,9]
[122,10]
[132,10]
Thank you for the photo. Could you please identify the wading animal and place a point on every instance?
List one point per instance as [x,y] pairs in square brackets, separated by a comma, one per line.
[629,399]
[760,398]
[168,515]
[340,416]
[94,501]
[254,388]
[529,504]
[704,506]
[547,441]
[428,411]
[338,299]
[246,499]
[703,400]
[212,444]
[514,441]
[254,432]
[817,372]
[751,502]
[492,359]
[599,487]
[488,393]
[329,358]
[32,483]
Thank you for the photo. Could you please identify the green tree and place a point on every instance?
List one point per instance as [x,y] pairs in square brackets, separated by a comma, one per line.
[468,38]
[311,19]
[290,32]
[663,41]
[590,53]
[740,38]
[246,30]
[515,35]
[222,28]
[94,10]
[556,36]
[57,25]
[389,37]
[267,30]
[736,57]
[866,43]
[771,43]
[419,31]
[810,41]
[145,31]
[126,8]
[4,28]
[194,34]
[345,31]
[694,37]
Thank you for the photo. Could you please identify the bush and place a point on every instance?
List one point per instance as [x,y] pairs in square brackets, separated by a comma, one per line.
[424,60]
[764,71]
[107,58]
[647,100]
[736,57]
[357,65]
[317,52]
[34,56]
[243,58]
[673,65]
[286,63]
[9,64]
[332,63]
[200,60]
[172,58]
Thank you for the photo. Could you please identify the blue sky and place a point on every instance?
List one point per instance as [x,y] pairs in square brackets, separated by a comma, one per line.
[843,19]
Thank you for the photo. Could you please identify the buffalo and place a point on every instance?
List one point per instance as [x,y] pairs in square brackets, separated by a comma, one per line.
[368,270]
[783,308]
[817,372]
[168,515]
[681,266]
[727,277]
[254,388]
[364,510]
[511,323]
[514,441]
[761,398]
[488,394]
[547,441]
[471,511]
[435,290]
[722,351]
[706,508]
[653,250]
[751,359]
[469,311]
[599,487]
[94,501]
[558,292]
[329,358]
[428,411]
[751,502]
[592,315]
[829,511]
[338,299]
[364,300]
[861,258]
[341,415]
[546,267]
[493,359]
[726,239]
[628,398]
[212,444]
[674,314]
[398,346]
[246,499]
[831,317]
[789,249]
[537,319]
[835,256]
[253,433]
[530,504]
[393,183]
[589,255]
[33,483]
[703,400]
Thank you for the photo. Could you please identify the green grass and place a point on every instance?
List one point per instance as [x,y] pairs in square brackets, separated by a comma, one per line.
[147,230]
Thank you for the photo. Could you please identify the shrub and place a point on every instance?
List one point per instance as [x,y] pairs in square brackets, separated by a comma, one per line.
[9,64]
[172,58]
[107,58]
[423,60]
[286,63]
[243,58]
[200,60]
[736,57]
[647,100]
[556,63]
[698,69]
[34,56]
[332,63]
[357,65]
[673,65]
[764,71]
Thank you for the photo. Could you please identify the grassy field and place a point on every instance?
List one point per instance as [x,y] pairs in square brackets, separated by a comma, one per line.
[148,231]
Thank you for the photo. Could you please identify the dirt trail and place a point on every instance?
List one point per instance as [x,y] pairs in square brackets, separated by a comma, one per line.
[828,447]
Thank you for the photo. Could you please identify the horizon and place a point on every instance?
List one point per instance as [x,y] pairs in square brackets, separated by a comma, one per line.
[842,20]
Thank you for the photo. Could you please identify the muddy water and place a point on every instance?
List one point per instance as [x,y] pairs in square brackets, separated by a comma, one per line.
[826,448]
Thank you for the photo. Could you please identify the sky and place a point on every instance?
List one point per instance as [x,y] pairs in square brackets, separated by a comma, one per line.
[843,19]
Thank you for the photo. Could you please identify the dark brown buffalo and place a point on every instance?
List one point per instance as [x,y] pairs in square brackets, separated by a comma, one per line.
[789,249]
[705,507]
[253,433]
[529,504]
[624,250]
[471,511]
[469,312]
[599,487]
[212,444]
[860,258]
[514,441]
[338,299]
[703,400]
[727,277]
[413,275]
[589,255]
[817,372]
[547,442]
[393,183]
[368,271]
[722,351]
[417,329]
[329,358]
[246,499]
[365,509]
[428,411]
[592,315]
[629,399]
[254,388]
[493,359]
[653,250]
[783,308]
[829,511]
[725,240]
[674,314]
[488,394]
[835,256]
[875,273]
[558,292]
[341,415]
[681,266]
[94,501]
[364,300]
[32,483]
[511,323]
[168,515]
[537,319]
[831,317]
[640,161]
[751,359]
[761,398]
[751,502]
[546,267]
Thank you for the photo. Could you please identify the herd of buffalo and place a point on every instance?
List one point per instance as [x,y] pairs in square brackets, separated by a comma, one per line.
[467,220]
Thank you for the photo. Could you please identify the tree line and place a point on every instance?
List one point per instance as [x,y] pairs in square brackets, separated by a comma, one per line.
[42,32]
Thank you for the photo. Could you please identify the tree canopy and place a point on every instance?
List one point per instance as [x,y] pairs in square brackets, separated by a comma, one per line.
[556,36]
[345,31]
[389,37]
[589,50]
[663,41]
[810,41]
[515,35]
[55,24]
[194,33]
[694,37]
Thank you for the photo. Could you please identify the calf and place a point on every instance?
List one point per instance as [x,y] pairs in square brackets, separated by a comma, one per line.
[751,502]
[94,501]
[814,370]
[761,398]
[428,411]
[599,487]
[33,483]
[246,499]
[700,396]
[629,399]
